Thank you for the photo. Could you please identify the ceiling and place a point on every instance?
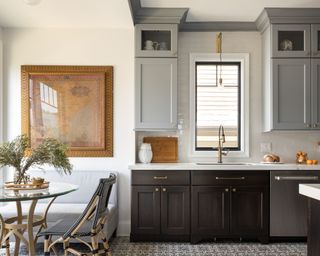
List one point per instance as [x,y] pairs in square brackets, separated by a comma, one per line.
[116,13]
[66,14]
[227,10]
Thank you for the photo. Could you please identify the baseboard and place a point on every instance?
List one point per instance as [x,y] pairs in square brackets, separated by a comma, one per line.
[123,228]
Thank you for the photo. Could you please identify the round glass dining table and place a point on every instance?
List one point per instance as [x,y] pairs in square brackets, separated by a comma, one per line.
[17,225]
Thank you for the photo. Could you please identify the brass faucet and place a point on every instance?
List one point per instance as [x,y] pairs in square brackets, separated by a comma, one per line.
[222,139]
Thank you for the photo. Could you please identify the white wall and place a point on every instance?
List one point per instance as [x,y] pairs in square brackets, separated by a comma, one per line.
[286,144]
[79,47]
[1,98]
[1,90]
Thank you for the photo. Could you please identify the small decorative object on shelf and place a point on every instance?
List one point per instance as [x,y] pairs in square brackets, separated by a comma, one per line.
[145,153]
[50,152]
[286,45]
[301,157]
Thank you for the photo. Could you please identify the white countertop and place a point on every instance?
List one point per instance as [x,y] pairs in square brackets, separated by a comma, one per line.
[227,166]
[310,190]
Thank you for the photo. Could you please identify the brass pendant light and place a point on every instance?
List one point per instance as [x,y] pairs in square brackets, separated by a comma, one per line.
[219,50]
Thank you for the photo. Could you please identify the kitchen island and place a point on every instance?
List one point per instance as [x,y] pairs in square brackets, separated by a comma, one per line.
[312,191]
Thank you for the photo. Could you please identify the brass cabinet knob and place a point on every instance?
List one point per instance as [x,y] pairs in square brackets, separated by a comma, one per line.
[164,189]
[315,125]
[157,190]
[234,190]
[227,190]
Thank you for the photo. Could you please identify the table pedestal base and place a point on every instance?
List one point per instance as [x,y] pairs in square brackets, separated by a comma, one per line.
[20,224]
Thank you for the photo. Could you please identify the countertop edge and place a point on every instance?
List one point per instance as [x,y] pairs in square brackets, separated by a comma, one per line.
[310,190]
[194,166]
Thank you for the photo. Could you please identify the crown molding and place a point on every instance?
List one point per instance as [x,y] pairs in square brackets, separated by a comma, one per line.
[217,26]
[141,15]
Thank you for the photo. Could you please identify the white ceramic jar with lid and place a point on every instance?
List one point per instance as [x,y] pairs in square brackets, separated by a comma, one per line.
[145,153]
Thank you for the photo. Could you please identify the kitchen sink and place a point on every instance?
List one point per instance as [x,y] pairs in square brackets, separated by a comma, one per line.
[215,163]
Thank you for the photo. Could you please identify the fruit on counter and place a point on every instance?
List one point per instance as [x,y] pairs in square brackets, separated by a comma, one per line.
[271,158]
[312,161]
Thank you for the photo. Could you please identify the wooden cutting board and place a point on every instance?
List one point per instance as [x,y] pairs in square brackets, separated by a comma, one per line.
[164,149]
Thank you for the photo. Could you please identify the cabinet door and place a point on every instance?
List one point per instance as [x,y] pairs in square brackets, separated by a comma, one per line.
[175,210]
[291,40]
[249,211]
[315,92]
[315,40]
[156,93]
[210,211]
[156,40]
[291,94]
[145,210]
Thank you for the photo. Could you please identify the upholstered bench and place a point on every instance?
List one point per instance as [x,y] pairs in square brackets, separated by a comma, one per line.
[70,206]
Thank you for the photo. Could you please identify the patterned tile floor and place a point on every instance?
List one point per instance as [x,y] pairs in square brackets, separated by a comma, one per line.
[122,247]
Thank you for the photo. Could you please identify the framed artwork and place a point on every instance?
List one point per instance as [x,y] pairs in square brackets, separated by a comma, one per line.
[73,104]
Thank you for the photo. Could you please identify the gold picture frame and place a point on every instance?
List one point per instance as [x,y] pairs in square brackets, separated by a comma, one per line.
[73,104]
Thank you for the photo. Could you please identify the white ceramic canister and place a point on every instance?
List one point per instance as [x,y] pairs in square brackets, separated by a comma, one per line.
[145,153]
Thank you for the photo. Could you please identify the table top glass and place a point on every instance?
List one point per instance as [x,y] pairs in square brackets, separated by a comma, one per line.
[54,189]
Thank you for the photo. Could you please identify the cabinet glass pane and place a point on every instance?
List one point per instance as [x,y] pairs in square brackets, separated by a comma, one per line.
[291,40]
[157,40]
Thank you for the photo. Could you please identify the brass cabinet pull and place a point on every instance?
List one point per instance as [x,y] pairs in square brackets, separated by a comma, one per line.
[234,190]
[157,190]
[160,177]
[164,189]
[227,190]
[230,178]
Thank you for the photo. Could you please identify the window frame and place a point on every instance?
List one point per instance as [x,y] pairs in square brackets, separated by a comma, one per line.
[226,63]
[243,58]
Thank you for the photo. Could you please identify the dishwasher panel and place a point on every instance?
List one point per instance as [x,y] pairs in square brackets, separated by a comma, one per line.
[288,209]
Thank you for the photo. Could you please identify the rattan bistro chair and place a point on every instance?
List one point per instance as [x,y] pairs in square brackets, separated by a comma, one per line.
[89,224]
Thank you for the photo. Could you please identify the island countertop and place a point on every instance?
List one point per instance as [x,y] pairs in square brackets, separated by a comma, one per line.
[225,166]
[310,190]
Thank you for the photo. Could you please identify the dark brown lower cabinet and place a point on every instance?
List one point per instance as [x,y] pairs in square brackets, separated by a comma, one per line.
[249,212]
[145,210]
[160,213]
[223,212]
[169,205]
[210,211]
[227,204]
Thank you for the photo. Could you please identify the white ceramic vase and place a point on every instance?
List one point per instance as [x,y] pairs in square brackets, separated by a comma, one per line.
[145,153]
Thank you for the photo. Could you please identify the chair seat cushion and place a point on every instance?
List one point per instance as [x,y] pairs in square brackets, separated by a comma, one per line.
[62,226]
[56,212]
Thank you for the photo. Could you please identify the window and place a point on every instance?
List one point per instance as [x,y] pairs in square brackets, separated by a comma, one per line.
[218,87]
[214,102]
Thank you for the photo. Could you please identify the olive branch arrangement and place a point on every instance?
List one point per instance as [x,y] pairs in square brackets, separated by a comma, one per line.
[50,151]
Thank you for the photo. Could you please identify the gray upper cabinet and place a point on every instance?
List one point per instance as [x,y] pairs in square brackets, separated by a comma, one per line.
[291,94]
[156,40]
[156,93]
[315,92]
[291,40]
[291,68]
[315,40]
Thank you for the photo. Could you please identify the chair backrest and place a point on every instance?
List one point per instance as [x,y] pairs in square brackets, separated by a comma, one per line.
[97,206]
[104,195]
